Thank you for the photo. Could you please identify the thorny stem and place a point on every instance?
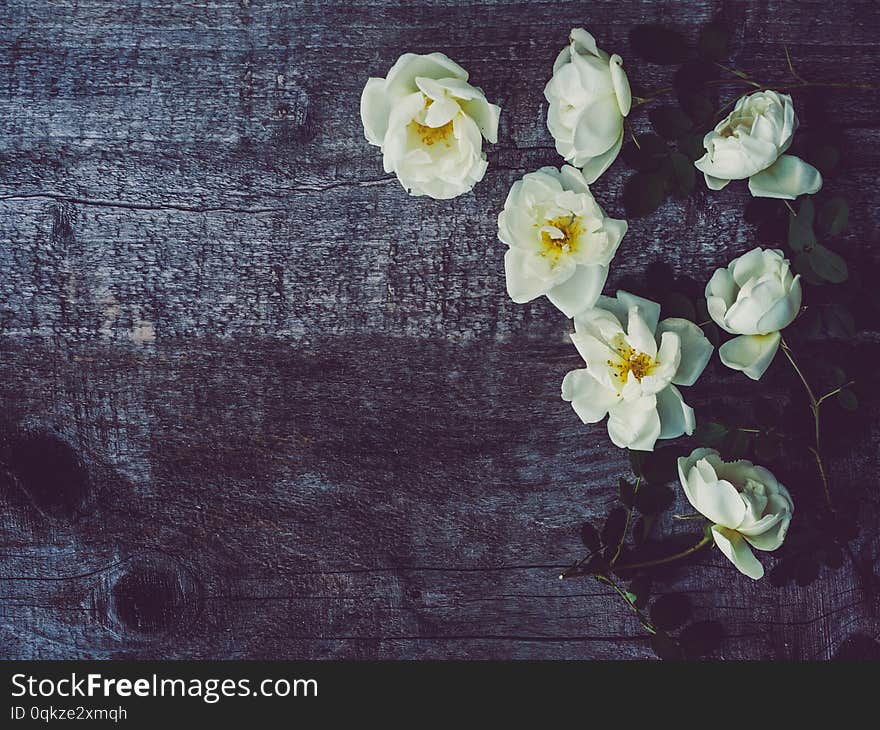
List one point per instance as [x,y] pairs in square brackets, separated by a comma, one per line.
[814,409]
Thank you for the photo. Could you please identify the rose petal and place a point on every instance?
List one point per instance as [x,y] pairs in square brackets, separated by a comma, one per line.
[752,354]
[737,550]
[786,179]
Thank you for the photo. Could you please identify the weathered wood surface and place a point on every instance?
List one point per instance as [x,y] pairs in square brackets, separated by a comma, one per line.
[257,402]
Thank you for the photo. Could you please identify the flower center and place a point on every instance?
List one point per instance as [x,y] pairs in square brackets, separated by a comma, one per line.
[640,364]
[560,235]
[433,135]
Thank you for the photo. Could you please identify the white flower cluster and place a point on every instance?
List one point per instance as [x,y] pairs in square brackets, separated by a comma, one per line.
[430,123]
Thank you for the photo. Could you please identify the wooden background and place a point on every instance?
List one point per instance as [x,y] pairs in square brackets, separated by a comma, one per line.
[257,402]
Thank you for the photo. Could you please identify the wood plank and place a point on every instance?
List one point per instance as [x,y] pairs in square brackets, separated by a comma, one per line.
[257,402]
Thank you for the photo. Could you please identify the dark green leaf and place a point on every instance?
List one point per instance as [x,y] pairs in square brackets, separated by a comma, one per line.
[710,433]
[627,492]
[683,177]
[641,588]
[712,333]
[660,466]
[803,267]
[590,537]
[827,264]
[839,322]
[807,570]
[648,155]
[658,44]
[800,227]
[698,107]
[691,146]
[676,304]
[643,193]
[838,377]
[612,531]
[701,638]
[825,158]
[834,216]
[811,319]
[713,42]
[653,498]
[671,611]
[665,647]
[848,400]
[736,444]
[637,461]
[670,122]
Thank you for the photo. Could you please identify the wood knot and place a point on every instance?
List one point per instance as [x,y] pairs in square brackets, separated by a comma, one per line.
[50,472]
[151,596]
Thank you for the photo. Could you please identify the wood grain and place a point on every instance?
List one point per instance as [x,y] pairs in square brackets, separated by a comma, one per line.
[257,402]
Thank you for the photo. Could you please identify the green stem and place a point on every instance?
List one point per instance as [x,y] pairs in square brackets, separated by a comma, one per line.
[626,524]
[671,558]
[814,409]
[643,620]
[835,392]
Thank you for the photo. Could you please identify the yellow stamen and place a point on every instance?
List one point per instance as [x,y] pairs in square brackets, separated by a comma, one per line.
[570,228]
[640,364]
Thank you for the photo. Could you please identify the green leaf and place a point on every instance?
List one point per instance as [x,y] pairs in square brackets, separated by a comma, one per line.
[665,647]
[590,537]
[827,264]
[671,611]
[653,499]
[627,492]
[641,588]
[825,158]
[701,638]
[691,146]
[698,107]
[847,400]
[676,304]
[637,462]
[712,333]
[834,216]
[803,267]
[670,122]
[648,155]
[612,531]
[713,42]
[660,466]
[683,175]
[800,227]
[710,433]
[838,377]
[658,44]
[807,570]
[839,322]
[643,193]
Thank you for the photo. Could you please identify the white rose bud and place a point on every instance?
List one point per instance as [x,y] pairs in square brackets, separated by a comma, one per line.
[748,507]
[755,297]
[429,123]
[560,241]
[750,142]
[633,366]
[589,97]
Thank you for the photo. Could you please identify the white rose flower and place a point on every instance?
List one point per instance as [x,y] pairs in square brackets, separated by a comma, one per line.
[755,297]
[629,376]
[589,97]
[429,123]
[746,503]
[750,142]
[560,241]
